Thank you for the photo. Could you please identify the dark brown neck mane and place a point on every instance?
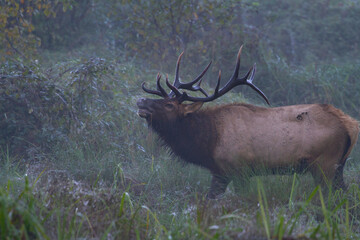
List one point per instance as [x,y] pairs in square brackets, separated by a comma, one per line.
[192,138]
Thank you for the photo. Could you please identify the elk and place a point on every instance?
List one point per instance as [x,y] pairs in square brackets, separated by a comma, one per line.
[231,139]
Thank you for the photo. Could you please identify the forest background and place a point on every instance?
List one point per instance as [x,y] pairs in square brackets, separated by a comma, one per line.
[77,162]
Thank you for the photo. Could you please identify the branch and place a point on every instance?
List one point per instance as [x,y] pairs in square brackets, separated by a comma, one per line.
[14,48]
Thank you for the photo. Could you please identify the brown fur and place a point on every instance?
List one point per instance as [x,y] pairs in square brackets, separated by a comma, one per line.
[351,125]
[231,139]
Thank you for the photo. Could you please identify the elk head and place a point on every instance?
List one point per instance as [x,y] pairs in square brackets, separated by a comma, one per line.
[171,106]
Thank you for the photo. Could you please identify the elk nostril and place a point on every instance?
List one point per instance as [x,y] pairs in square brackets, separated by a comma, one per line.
[141,101]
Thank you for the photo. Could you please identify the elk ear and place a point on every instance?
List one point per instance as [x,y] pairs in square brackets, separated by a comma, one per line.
[190,108]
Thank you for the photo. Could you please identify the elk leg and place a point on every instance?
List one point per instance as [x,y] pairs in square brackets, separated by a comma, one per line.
[319,177]
[329,179]
[328,175]
[338,181]
[218,186]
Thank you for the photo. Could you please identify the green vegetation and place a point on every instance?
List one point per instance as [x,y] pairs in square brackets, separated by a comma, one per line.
[76,161]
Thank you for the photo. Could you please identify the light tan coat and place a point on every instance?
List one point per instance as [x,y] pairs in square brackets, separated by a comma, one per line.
[318,137]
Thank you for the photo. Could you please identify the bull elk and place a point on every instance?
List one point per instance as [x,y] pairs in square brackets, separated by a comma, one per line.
[233,138]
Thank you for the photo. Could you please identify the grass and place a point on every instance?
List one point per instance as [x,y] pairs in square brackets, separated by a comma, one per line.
[160,198]
[110,179]
[18,214]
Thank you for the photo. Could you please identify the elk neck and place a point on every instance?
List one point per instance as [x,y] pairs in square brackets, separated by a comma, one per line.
[193,138]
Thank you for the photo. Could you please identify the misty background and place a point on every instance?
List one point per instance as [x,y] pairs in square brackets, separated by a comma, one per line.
[71,72]
[306,52]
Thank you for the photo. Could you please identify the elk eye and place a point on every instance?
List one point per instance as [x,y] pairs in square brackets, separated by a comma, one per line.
[169,106]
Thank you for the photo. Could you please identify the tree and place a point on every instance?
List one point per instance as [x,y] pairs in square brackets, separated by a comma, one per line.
[16,27]
[162,29]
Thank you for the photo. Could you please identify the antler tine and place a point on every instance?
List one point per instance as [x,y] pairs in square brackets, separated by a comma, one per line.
[160,92]
[234,78]
[215,95]
[189,86]
[177,80]
[237,66]
[233,82]
[150,91]
[249,83]
[160,88]
[216,91]
[173,88]
[200,89]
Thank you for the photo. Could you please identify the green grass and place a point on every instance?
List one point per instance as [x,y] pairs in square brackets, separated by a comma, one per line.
[110,179]
[19,217]
[159,198]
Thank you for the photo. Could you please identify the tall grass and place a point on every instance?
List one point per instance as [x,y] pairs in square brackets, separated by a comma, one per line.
[18,214]
[331,215]
[109,178]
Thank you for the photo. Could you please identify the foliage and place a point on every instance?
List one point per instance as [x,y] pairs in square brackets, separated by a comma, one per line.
[314,83]
[159,30]
[24,92]
[16,27]
[70,75]
[335,222]
[18,214]
[104,178]
[38,111]
[168,27]
[133,211]
[72,24]
[27,25]
[314,31]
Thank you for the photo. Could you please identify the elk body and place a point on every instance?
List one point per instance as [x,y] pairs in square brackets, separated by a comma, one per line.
[234,140]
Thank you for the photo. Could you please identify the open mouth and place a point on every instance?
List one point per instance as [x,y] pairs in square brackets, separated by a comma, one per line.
[144,113]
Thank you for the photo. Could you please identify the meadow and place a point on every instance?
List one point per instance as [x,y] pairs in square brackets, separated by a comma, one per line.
[110,177]
[76,162]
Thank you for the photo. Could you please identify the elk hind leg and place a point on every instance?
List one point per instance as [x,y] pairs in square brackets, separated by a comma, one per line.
[328,175]
[322,178]
[338,181]
[330,166]
[339,176]
[218,186]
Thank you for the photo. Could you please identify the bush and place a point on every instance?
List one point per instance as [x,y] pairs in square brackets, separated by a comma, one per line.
[40,112]
[30,103]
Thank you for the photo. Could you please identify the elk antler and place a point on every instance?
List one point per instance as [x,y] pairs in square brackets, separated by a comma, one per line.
[189,86]
[233,82]
[160,92]
[177,84]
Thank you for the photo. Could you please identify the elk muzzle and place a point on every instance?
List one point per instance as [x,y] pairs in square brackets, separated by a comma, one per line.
[144,110]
